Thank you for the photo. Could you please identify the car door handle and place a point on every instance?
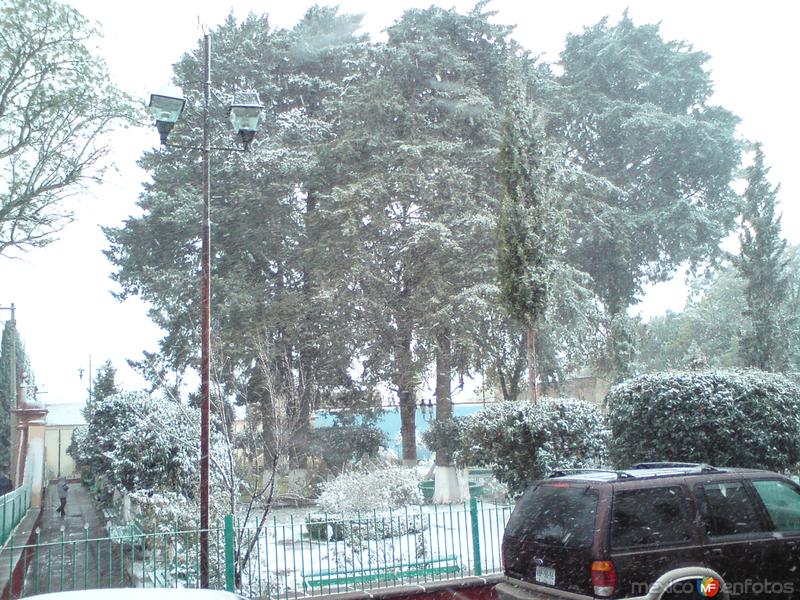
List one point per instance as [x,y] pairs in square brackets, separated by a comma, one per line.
[716,550]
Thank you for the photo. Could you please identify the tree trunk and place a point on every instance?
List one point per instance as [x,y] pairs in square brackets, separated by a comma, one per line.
[533,372]
[306,351]
[407,398]
[447,488]
[444,403]
[408,411]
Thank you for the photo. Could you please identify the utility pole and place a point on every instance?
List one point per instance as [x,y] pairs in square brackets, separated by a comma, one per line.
[205,342]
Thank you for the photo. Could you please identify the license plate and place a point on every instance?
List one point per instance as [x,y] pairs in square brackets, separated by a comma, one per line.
[546,575]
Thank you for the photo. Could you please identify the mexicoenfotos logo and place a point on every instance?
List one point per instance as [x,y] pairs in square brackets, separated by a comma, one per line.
[708,587]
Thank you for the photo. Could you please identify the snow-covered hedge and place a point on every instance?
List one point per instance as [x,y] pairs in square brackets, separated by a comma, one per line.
[523,442]
[364,491]
[725,418]
[139,442]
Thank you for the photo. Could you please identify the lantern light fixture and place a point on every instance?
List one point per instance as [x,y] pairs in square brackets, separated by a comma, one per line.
[166,110]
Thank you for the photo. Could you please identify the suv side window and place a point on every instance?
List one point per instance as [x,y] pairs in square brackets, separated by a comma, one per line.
[729,510]
[782,502]
[649,516]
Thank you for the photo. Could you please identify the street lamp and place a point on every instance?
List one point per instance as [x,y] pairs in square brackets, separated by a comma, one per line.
[244,113]
[166,110]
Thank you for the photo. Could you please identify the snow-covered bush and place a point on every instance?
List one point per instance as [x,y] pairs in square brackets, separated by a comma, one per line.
[523,442]
[362,491]
[140,442]
[163,512]
[725,418]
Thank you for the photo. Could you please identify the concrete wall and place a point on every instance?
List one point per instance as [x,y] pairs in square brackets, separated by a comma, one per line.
[57,461]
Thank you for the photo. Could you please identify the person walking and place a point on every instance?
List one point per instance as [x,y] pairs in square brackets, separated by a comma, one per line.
[62,488]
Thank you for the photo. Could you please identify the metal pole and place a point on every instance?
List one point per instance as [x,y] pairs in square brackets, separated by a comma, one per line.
[205,352]
[476,536]
[230,567]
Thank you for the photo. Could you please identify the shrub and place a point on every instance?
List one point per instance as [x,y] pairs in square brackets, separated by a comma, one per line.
[342,446]
[726,418]
[444,436]
[138,442]
[361,491]
[523,442]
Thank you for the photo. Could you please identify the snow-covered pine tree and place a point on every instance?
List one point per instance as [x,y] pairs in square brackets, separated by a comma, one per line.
[762,264]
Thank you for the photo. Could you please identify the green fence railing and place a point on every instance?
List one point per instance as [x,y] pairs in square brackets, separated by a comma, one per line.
[13,507]
[311,556]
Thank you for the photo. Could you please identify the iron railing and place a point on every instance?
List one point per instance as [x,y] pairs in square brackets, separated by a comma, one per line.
[305,556]
[13,507]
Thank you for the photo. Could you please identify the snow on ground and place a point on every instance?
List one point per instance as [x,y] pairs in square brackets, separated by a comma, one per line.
[285,555]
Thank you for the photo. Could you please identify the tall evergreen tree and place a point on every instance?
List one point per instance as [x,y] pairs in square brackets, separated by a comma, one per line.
[9,354]
[418,213]
[15,369]
[269,272]
[527,224]
[105,384]
[762,265]
[653,159]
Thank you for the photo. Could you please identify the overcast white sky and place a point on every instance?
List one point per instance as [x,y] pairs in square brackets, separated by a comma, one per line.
[65,310]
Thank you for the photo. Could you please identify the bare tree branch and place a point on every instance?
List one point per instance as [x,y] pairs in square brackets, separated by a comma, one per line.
[56,111]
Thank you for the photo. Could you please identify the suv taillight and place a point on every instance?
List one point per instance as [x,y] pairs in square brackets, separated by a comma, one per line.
[503,554]
[604,578]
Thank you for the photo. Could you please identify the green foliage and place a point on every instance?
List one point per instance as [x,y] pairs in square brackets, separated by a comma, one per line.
[139,442]
[713,323]
[724,418]
[444,436]
[708,329]
[13,352]
[762,265]
[652,160]
[56,109]
[104,382]
[271,303]
[525,227]
[342,446]
[363,226]
[523,442]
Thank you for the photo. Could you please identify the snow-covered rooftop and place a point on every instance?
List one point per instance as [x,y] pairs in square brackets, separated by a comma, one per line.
[65,414]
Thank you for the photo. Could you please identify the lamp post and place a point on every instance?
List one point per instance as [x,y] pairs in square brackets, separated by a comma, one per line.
[244,113]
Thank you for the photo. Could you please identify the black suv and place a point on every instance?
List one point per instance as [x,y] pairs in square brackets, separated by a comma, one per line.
[655,531]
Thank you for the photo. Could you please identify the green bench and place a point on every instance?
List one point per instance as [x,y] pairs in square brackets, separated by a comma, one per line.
[448,565]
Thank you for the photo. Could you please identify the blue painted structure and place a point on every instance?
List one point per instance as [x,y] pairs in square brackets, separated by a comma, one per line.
[389,423]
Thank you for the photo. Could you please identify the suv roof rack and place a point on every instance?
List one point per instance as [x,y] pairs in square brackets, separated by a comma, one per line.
[565,472]
[674,465]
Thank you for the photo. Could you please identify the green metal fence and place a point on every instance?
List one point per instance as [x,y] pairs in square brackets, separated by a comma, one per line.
[339,554]
[13,507]
[326,554]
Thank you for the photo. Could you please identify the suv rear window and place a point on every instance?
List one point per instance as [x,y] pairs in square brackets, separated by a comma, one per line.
[556,515]
[650,516]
